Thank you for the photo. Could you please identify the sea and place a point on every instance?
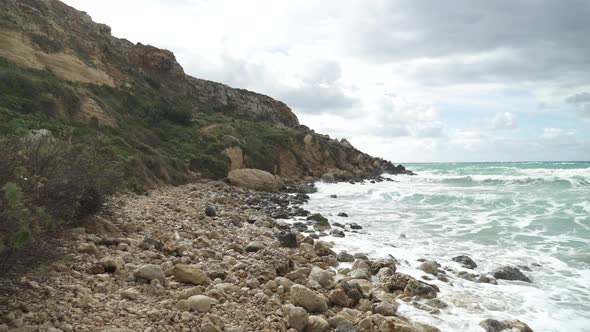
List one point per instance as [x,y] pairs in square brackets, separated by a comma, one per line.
[535,215]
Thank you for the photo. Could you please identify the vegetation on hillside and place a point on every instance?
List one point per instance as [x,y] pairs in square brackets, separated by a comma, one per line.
[57,178]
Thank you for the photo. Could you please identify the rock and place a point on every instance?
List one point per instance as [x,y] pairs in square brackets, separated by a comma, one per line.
[429,267]
[337,233]
[381,263]
[190,274]
[297,317]
[317,217]
[338,297]
[130,294]
[209,327]
[355,226]
[287,239]
[360,274]
[255,246]
[342,214]
[210,211]
[360,255]
[346,328]
[436,303]
[465,261]
[396,282]
[328,177]
[112,264]
[343,256]
[308,299]
[421,289]
[317,324]
[102,227]
[510,273]
[492,325]
[385,308]
[149,272]
[254,179]
[201,303]
[323,277]
[487,280]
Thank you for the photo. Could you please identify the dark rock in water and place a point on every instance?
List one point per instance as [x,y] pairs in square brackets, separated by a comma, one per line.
[351,182]
[343,256]
[317,217]
[509,273]
[336,224]
[422,289]
[322,226]
[355,226]
[337,233]
[372,181]
[210,211]
[287,239]
[465,260]
[487,280]
[333,196]
[466,275]
[525,268]
[343,214]
[300,226]
[323,234]
[360,255]
[299,212]
[492,325]
[403,236]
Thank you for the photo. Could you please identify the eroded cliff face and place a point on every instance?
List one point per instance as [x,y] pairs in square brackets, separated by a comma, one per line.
[47,34]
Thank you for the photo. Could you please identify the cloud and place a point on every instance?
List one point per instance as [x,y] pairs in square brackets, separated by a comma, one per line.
[552,133]
[502,120]
[581,101]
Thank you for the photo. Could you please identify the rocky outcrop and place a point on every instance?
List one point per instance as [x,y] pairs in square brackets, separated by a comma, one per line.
[254,179]
[510,273]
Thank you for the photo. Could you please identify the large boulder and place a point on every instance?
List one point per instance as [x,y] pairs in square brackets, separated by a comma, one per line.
[254,179]
[510,273]
[309,300]
[465,261]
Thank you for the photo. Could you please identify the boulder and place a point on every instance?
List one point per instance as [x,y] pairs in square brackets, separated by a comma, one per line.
[255,246]
[343,256]
[210,211]
[287,239]
[149,272]
[308,299]
[190,274]
[429,267]
[385,308]
[465,261]
[492,325]
[201,303]
[323,277]
[254,179]
[510,273]
[337,233]
[317,324]
[297,317]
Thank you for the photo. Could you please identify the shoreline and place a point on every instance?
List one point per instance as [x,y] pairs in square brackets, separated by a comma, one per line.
[211,257]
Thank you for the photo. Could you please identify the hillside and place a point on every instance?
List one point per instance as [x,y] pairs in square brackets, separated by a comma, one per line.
[84,114]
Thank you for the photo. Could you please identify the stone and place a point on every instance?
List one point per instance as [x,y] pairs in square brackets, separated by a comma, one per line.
[130,294]
[338,297]
[337,233]
[360,274]
[510,273]
[287,239]
[385,308]
[465,261]
[342,214]
[381,263]
[436,303]
[328,177]
[112,264]
[149,272]
[492,325]
[210,211]
[487,280]
[355,226]
[308,299]
[343,256]
[190,274]
[421,289]
[297,317]
[254,179]
[429,267]
[323,277]
[255,246]
[201,303]
[317,324]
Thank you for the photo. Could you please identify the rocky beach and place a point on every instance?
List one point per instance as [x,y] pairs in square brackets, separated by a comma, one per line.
[209,256]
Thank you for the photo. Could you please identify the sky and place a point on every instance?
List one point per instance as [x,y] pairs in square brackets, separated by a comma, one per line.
[407,80]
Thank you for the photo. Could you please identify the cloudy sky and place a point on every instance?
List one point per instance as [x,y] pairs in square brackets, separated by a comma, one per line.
[460,80]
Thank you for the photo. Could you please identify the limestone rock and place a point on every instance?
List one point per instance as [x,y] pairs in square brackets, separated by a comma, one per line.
[254,179]
[190,274]
[297,317]
[201,303]
[149,272]
[317,324]
[308,299]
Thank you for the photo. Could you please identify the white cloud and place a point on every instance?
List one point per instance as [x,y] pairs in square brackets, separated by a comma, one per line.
[551,133]
[503,120]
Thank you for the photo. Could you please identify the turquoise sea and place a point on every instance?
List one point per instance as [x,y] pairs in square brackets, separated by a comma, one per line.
[530,214]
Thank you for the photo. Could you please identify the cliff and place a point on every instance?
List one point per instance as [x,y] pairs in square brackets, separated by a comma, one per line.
[64,70]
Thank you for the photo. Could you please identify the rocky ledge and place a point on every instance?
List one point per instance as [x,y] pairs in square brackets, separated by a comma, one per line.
[212,257]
